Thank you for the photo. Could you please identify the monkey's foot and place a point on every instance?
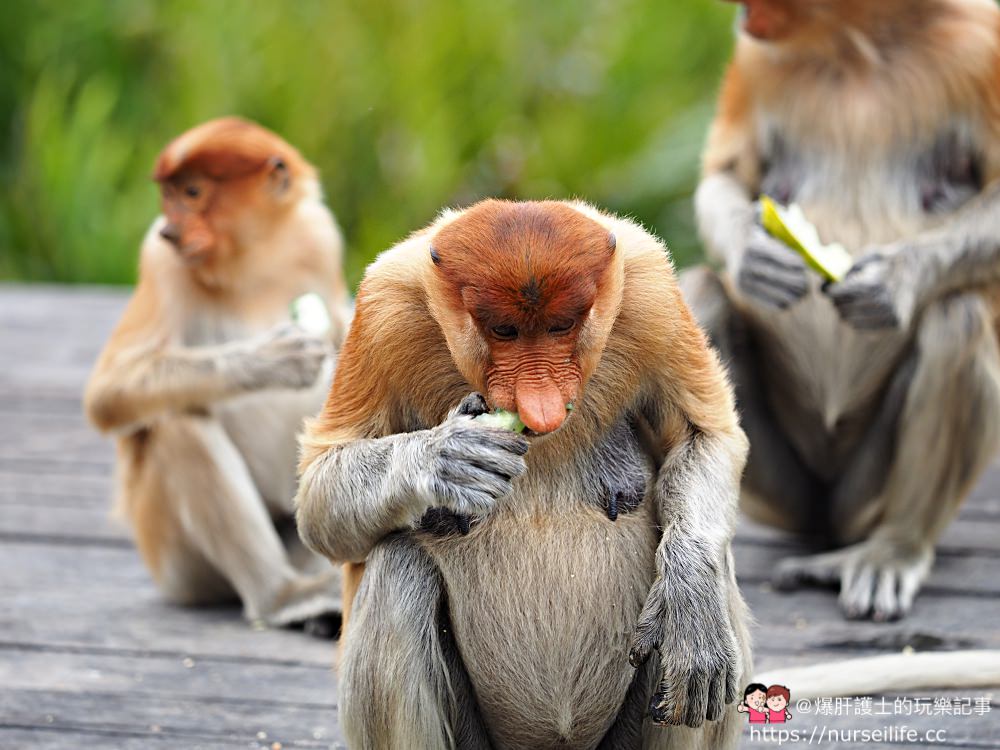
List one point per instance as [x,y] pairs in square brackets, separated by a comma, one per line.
[878,579]
[312,603]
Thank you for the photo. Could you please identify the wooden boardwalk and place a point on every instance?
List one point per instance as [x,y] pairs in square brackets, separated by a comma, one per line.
[90,656]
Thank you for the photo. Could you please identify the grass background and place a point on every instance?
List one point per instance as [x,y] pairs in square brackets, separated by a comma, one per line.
[404,105]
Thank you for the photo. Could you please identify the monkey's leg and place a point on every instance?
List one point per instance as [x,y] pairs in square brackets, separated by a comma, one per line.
[949,430]
[199,518]
[778,489]
[402,681]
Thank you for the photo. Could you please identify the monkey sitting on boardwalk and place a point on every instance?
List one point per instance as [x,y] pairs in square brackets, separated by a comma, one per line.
[205,382]
[571,587]
[872,404]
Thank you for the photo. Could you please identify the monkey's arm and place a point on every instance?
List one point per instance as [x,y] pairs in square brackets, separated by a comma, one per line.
[885,289]
[140,374]
[356,493]
[688,614]
[764,269]
[361,479]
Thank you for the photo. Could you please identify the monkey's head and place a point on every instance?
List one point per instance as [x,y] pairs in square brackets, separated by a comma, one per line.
[804,22]
[224,185]
[526,296]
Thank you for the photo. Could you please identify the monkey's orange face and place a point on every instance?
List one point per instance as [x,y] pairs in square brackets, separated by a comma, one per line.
[527,276]
[796,21]
[534,364]
[770,20]
[186,200]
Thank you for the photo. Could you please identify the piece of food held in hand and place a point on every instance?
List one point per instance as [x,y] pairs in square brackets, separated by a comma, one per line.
[501,419]
[790,225]
[528,443]
[206,380]
[310,313]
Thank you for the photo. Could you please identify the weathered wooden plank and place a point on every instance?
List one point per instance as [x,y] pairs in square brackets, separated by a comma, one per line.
[156,716]
[809,621]
[182,676]
[964,537]
[102,597]
[90,522]
[75,738]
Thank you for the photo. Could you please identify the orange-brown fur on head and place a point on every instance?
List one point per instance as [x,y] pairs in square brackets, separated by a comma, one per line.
[224,182]
[860,76]
[526,276]
[805,24]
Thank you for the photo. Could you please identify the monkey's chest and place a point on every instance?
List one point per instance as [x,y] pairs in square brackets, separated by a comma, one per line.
[543,607]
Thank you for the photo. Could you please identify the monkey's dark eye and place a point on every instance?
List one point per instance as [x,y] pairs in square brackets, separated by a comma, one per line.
[192,191]
[564,327]
[504,332]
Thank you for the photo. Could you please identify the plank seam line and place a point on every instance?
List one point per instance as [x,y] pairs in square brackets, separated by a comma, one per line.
[69,648]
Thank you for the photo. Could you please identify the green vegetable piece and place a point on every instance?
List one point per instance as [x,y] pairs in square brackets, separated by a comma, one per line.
[310,313]
[502,419]
[792,227]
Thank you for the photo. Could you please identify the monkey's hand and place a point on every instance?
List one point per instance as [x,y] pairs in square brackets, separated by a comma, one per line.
[875,293]
[686,619]
[467,466]
[287,357]
[769,272]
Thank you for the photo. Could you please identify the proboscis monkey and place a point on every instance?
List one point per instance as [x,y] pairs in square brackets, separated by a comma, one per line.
[872,404]
[501,605]
[205,381]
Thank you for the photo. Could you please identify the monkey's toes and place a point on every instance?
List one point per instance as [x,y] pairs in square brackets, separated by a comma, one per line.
[882,594]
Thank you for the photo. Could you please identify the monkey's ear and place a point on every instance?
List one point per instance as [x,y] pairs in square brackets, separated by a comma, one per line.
[278,178]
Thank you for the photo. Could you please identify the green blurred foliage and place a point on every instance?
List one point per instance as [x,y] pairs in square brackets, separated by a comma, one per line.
[406,106]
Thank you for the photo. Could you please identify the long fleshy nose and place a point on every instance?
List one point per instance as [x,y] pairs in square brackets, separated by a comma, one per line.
[171,234]
[540,405]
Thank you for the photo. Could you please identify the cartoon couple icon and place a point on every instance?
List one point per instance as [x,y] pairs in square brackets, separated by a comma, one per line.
[757,697]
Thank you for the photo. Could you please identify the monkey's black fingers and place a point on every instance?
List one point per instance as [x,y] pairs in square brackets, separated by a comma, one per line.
[773,253]
[502,462]
[473,405]
[716,696]
[664,706]
[649,630]
[472,476]
[697,698]
[791,286]
[767,293]
[868,314]
[477,438]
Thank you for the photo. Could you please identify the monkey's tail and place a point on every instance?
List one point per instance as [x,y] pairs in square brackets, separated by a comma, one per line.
[892,672]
